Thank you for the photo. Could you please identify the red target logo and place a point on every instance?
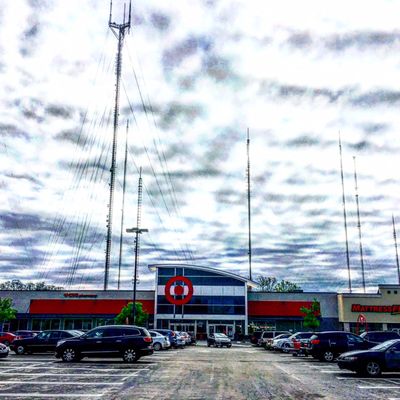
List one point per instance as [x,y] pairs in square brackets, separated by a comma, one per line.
[185,290]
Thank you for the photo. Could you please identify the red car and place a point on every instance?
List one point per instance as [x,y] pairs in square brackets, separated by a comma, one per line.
[7,338]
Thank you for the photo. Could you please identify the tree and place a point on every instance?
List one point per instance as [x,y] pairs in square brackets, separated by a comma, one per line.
[271,284]
[16,284]
[125,315]
[7,313]
[311,315]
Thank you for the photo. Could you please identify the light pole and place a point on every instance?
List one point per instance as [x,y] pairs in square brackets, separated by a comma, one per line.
[137,231]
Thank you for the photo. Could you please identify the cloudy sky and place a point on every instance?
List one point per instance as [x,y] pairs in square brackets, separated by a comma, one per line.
[196,74]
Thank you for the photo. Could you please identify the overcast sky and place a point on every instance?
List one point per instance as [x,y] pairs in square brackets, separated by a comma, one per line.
[195,76]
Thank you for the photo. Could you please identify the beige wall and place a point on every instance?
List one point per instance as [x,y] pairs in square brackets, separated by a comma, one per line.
[384,306]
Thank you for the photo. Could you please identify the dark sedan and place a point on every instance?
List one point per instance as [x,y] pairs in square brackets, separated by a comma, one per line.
[43,342]
[372,362]
[218,340]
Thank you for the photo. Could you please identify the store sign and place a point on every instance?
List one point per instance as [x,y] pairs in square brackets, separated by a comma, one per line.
[174,289]
[80,295]
[393,309]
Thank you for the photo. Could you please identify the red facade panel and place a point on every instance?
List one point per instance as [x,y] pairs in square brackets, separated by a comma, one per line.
[277,308]
[90,307]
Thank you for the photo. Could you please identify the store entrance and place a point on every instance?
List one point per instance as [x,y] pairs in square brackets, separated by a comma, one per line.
[228,329]
[182,327]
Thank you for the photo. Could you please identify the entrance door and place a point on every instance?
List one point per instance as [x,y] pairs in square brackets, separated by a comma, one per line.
[227,329]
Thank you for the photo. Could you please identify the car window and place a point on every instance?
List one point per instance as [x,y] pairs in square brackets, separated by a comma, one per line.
[65,334]
[129,332]
[43,335]
[54,335]
[96,333]
[354,339]
[395,347]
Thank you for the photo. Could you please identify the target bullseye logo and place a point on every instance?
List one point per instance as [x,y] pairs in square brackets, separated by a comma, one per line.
[185,290]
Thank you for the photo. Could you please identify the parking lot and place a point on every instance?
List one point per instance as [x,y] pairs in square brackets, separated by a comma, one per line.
[199,372]
[43,376]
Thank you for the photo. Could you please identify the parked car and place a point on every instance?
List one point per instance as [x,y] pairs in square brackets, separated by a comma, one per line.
[218,340]
[384,357]
[159,341]
[379,336]
[127,341]
[4,350]
[172,337]
[180,340]
[270,342]
[186,337]
[267,336]
[7,338]
[326,346]
[43,342]
[192,337]
[287,344]
[254,338]
[25,334]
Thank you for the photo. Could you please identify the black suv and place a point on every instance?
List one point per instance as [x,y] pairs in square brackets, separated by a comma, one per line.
[379,336]
[42,342]
[128,341]
[326,346]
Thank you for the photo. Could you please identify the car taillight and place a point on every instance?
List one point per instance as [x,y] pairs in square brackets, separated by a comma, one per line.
[294,340]
[147,339]
[315,341]
[173,334]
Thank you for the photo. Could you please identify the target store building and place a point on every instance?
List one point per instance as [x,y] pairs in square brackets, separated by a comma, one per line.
[188,298]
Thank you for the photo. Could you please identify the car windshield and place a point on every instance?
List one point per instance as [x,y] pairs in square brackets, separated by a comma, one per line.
[385,345]
[283,336]
[220,335]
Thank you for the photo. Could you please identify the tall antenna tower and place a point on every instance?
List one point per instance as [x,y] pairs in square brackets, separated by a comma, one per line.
[344,213]
[249,198]
[119,31]
[137,230]
[395,246]
[359,226]
[123,207]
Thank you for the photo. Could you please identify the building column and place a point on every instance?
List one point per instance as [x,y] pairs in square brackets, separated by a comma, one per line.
[384,327]
[346,326]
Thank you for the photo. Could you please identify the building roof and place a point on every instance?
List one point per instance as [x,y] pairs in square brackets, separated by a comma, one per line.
[249,282]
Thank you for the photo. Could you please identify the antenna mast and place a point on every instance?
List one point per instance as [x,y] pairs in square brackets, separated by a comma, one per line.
[344,213]
[119,32]
[248,198]
[395,246]
[123,206]
[359,226]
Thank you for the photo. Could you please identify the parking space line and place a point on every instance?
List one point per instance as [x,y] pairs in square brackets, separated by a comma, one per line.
[380,387]
[50,395]
[58,383]
[334,372]
[67,374]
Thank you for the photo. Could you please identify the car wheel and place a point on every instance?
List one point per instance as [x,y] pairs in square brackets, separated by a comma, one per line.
[20,350]
[373,368]
[208,345]
[328,356]
[228,345]
[130,355]
[69,355]
[157,346]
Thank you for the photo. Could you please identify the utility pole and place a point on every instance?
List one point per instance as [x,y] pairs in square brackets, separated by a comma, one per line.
[248,199]
[137,232]
[359,226]
[123,206]
[395,246]
[344,213]
[119,31]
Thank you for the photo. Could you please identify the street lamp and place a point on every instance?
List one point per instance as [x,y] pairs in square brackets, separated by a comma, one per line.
[137,231]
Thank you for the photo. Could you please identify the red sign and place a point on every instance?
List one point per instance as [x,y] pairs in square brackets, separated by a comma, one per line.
[179,290]
[394,309]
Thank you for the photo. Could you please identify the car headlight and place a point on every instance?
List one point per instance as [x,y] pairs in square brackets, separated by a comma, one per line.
[60,342]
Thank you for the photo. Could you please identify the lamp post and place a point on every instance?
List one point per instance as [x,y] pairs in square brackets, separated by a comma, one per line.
[137,231]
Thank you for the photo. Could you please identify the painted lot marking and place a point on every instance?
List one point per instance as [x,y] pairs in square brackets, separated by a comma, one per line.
[58,383]
[380,387]
[66,374]
[50,395]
